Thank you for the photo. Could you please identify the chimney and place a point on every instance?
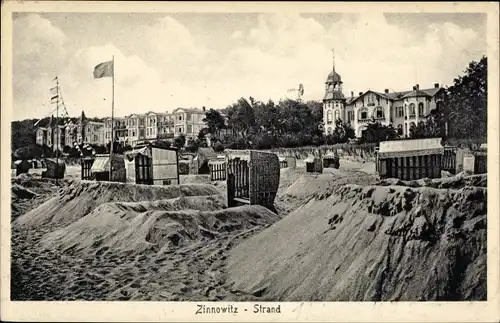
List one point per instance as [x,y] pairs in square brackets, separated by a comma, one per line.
[352,94]
[360,93]
[204,109]
[414,88]
[386,90]
[436,85]
[418,87]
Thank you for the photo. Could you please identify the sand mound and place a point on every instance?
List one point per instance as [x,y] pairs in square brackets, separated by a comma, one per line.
[127,251]
[370,243]
[309,184]
[453,182]
[21,192]
[194,179]
[133,229]
[81,197]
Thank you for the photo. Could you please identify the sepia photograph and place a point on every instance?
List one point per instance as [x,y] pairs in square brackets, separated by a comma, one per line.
[234,161]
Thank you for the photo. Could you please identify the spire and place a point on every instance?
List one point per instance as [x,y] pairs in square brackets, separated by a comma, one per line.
[333,59]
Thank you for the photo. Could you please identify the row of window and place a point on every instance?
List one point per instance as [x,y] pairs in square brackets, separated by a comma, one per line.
[150,121]
[379,112]
[399,128]
[363,115]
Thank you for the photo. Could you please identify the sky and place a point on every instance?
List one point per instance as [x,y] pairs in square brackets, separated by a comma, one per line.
[168,60]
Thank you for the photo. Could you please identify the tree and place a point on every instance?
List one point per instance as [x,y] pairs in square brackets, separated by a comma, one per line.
[214,121]
[180,141]
[343,132]
[241,117]
[376,132]
[466,102]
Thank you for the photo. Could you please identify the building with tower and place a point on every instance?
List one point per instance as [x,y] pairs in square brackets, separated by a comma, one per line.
[403,110]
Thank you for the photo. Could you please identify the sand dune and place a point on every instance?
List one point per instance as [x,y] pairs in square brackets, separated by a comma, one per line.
[81,197]
[370,243]
[340,235]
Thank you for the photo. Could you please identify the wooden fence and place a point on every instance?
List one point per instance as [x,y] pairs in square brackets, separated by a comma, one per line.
[217,172]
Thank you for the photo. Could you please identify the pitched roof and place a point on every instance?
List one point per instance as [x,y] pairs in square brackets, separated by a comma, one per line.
[415,93]
[335,95]
[190,110]
[410,147]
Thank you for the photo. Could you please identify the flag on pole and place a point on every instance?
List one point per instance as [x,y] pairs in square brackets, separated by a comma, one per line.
[54,98]
[104,70]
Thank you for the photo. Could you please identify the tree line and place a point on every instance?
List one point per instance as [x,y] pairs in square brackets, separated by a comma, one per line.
[289,123]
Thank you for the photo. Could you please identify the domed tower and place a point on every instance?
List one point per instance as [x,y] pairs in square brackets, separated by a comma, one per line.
[334,100]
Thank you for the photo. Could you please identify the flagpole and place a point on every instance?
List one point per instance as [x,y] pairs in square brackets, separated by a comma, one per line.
[57,131]
[112,119]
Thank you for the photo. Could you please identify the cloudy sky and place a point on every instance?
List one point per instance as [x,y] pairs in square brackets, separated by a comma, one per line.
[165,61]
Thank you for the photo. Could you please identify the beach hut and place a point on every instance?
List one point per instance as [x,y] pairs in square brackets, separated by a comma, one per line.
[288,162]
[410,159]
[252,177]
[314,165]
[331,161]
[56,168]
[481,160]
[153,165]
[100,168]
[22,166]
[217,168]
[449,160]
[86,163]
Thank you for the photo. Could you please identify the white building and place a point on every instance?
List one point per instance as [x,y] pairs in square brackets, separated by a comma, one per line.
[403,110]
[188,122]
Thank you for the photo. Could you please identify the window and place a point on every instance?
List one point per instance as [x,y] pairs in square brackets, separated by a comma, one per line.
[400,112]
[141,133]
[189,128]
[406,129]
[420,109]
[379,113]
[180,129]
[363,114]
[167,182]
[350,116]
[400,129]
[180,118]
[188,116]
[329,117]
[337,115]
[411,110]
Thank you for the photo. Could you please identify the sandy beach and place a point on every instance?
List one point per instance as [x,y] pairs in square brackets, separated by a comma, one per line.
[340,235]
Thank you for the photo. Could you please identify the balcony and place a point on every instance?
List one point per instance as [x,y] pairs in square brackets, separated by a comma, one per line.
[364,120]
